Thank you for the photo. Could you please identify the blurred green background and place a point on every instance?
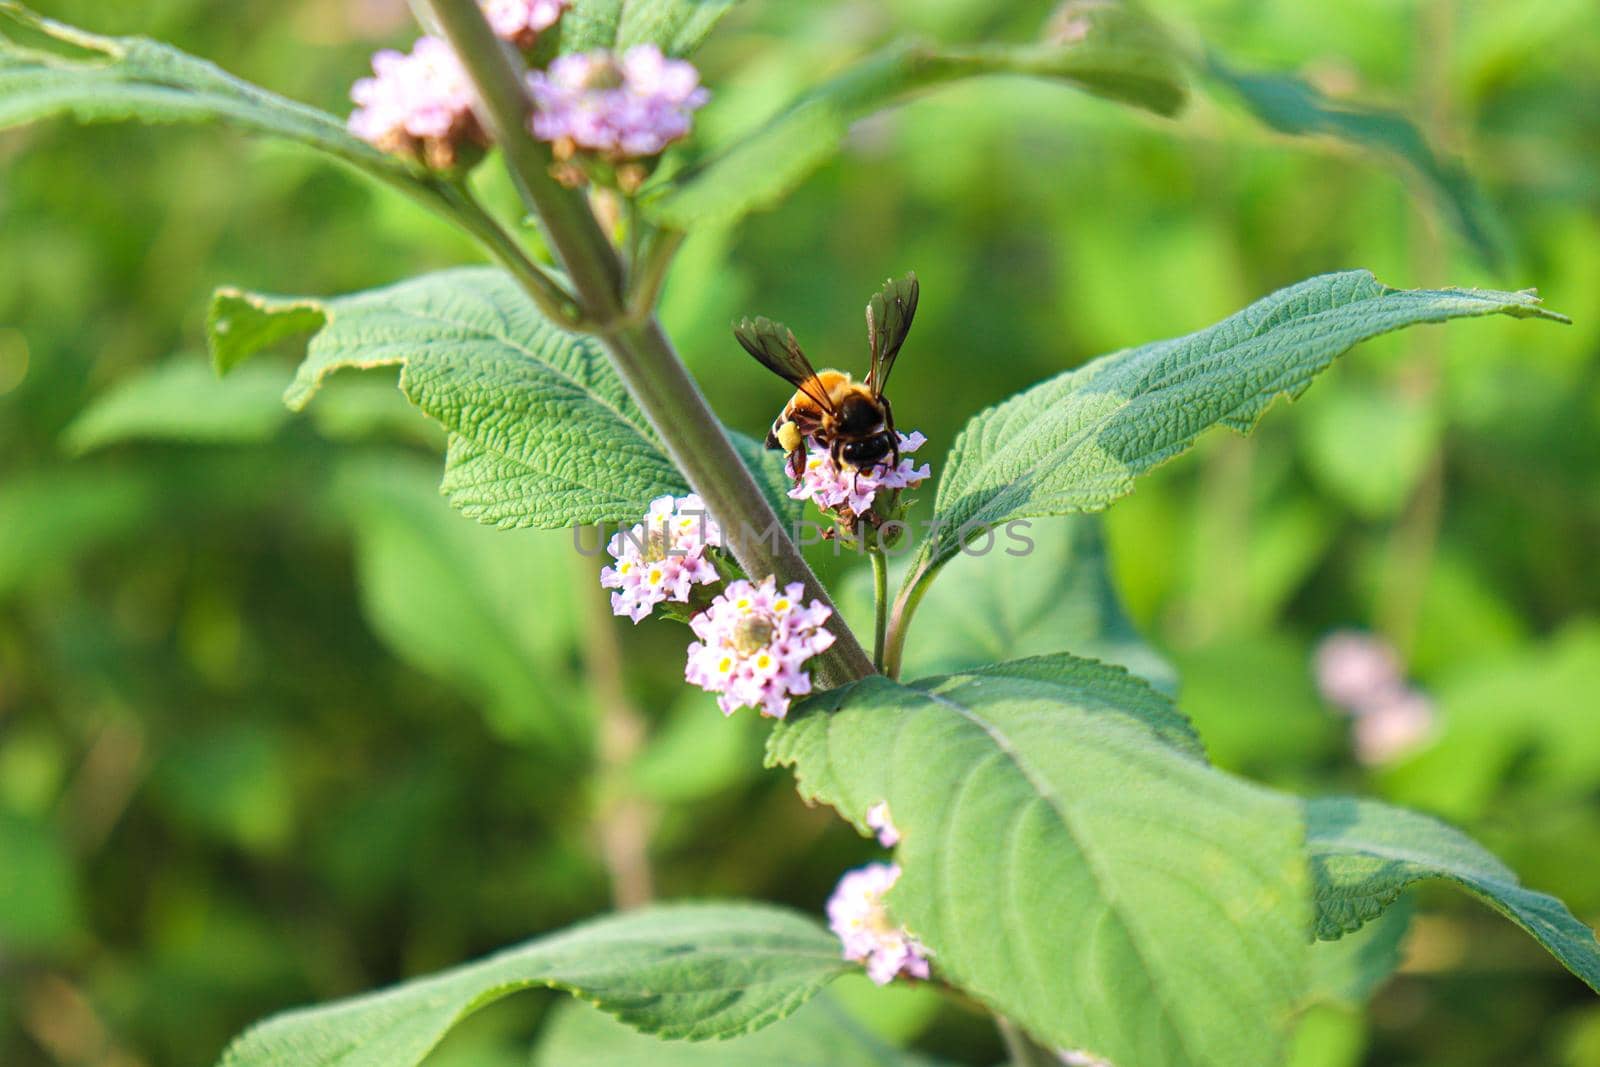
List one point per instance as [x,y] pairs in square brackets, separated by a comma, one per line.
[276,726]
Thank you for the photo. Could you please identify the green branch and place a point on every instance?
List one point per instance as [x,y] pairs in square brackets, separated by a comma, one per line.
[643,356]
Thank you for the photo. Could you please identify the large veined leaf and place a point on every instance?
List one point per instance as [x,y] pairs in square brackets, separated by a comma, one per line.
[1288,105]
[115,79]
[1077,441]
[1071,860]
[821,1034]
[1364,854]
[759,168]
[542,431]
[684,971]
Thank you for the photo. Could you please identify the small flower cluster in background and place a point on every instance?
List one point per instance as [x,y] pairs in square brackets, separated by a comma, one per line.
[1078,1058]
[1360,674]
[851,494]
[593,107]
[418,105]
[521,21]
[858,917]
[861,922]
[856,913]
[662,558]
[617,108]
[753,645]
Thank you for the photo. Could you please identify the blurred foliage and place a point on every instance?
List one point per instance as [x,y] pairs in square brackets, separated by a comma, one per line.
[275,725]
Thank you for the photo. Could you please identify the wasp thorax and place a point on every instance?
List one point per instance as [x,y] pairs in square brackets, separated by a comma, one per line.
[753,633]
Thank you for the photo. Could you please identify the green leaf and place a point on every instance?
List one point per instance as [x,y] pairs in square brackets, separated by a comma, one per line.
[115,79]
[182,400]
[488,611]
[1070,859]
[1077,441]
[1053,595]
[686,971]
[52,516]
[761,167]
[821,1034]
[678,26]
[238,325]
[541,430]
[1289,105]
[1364,854]
[1348,971]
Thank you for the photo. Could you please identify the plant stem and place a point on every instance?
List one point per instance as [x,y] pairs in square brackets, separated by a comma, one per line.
[1020,1048]
[650,271]
[551,297]
[569,226]
[624,820]
[640,351]
[880,602]
[905,606]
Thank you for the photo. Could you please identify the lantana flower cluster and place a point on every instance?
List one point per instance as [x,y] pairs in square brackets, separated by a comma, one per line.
[662,558]
[617,109]
[868,934]
[754,641]
[417,104]
[1360,674]
[521,21]
[851,494]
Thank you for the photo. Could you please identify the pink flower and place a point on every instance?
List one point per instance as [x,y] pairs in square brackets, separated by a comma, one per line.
[627,108]
[753,645]
[417,101]
[821,479]
[1394,728]
[1355,670]
[521,21]
[1361,675]
[858,917]
[663,558]
[882,825]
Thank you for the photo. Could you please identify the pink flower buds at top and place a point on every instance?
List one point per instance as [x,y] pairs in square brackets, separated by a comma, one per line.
[1356,670]
[857,915]
[663,558]
[882,825]
[754,644]
[418,105]
[624,108]
[521,21]
[851,493]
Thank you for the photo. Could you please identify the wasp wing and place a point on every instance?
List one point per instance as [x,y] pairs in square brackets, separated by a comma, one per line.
[773,344]
[889,316]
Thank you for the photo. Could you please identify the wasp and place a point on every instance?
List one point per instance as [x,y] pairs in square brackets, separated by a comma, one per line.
[852,420]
